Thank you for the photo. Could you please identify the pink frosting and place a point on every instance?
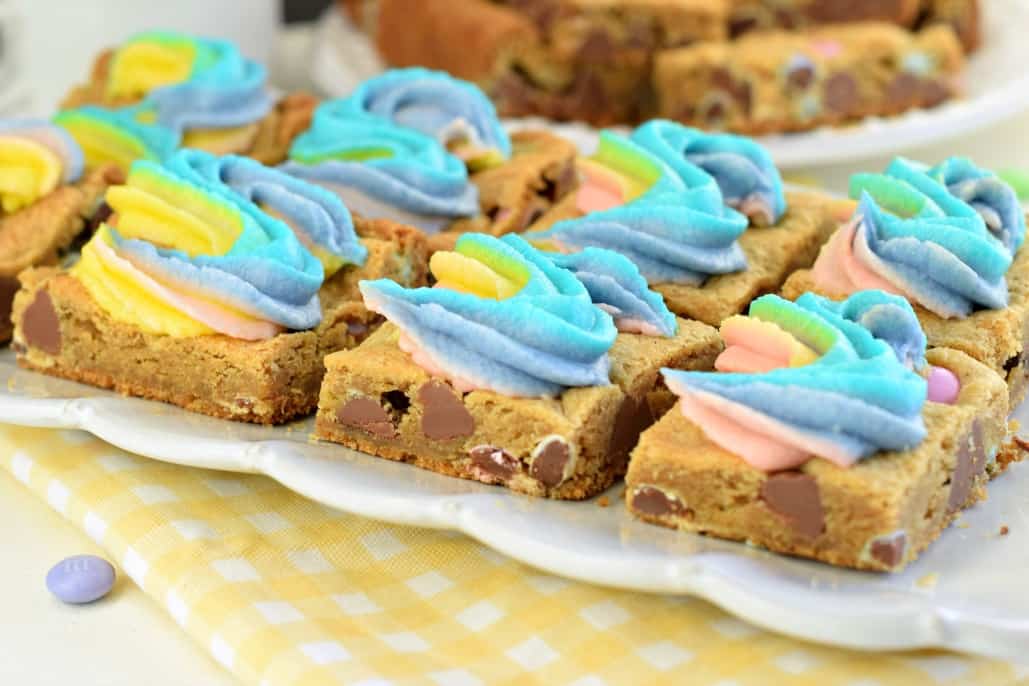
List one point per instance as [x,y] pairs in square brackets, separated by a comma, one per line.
[762,442]
[841,268]
[599,190]
[221,319]
[421,358]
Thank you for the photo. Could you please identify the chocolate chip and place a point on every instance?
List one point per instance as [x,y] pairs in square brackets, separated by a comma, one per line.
[598,47]
[496,462]
[889,549]
[40,326]
[903,90]
[794,495]
[1012,362]
[653,501]
[633,417]
[741,24]
[358,330]
[970,463]
[543,13]
[102,214]
[800,72]
[714,113]
[9,285]
[786,19]
[841,93]
[550,461]
[364,413]
[444,416]
[934,92]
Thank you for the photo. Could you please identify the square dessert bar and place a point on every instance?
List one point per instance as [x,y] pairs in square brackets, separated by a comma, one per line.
[40,234]
[375,399]
[564,59]
[772,254]
[997,338]
[61,331]
[790,81]
[879,514]
[515,194]
[747,15]
[963,16]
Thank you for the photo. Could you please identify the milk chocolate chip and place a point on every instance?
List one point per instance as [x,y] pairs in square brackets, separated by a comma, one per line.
[444,416]
[495,462]
[841,93]
[653,501]
[794,495]
[550,461]
[40,326]
[903,90]
[971,462]
[889,549]
[366,414]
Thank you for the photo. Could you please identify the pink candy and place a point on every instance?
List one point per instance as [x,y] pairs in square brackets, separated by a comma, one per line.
[944,386]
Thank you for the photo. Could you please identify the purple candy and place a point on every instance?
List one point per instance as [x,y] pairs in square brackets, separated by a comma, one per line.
[81,579]
[944,386]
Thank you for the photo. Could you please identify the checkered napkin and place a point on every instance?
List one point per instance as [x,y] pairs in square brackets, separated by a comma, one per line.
[285,592]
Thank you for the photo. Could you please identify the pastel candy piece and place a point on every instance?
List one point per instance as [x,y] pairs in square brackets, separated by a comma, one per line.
[81,579]
[857,398]
[944,386]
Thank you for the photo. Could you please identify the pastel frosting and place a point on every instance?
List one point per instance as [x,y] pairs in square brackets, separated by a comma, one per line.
[189,82]
[116,136]
[186,253]
[454,112]
[746,176]
[382,171]
[35,158]
[814,378]
[915,235]
[616,286]
[502,317]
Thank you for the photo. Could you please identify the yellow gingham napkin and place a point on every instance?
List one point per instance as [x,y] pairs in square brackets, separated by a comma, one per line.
[285,592]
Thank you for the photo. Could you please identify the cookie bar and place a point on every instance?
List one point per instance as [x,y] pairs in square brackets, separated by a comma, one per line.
[964,16]
[60,330]
[585,60]
[510,370]
[791,81]
[748,15]
[878,515]
[376,400]
[828,432]
[42,233]
[987,317]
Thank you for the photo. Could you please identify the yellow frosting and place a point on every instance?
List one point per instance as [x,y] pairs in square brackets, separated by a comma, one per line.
[28,171]
[469,275]
[138,68]
[237,139]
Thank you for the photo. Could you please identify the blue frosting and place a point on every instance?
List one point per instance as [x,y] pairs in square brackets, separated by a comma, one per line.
[399,168]
[746,176]
[53,137]
[859,395]
[431,102]
[994,200]
[267,273]
[157,142]
[616,286]
[317,214]
[545,338]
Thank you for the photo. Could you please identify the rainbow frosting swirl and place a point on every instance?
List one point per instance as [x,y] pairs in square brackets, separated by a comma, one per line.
[35,158]
[616,286]
[185,91]
[502,317]
[813,378]
[743,170]
[186,251]
[942,237]
[674,233]
[400,147]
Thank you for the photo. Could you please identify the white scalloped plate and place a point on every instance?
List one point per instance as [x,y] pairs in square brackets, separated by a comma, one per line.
[967,593]
[996,83]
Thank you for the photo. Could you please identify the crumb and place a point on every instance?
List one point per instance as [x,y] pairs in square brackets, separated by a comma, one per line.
[1021,443]
[928,581]
[604,502]
[1004,530]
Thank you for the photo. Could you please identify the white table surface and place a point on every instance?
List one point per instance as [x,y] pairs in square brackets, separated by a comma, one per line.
[127,640]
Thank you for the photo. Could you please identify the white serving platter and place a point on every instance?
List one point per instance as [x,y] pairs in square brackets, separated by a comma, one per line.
[996,84]
[966,593]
